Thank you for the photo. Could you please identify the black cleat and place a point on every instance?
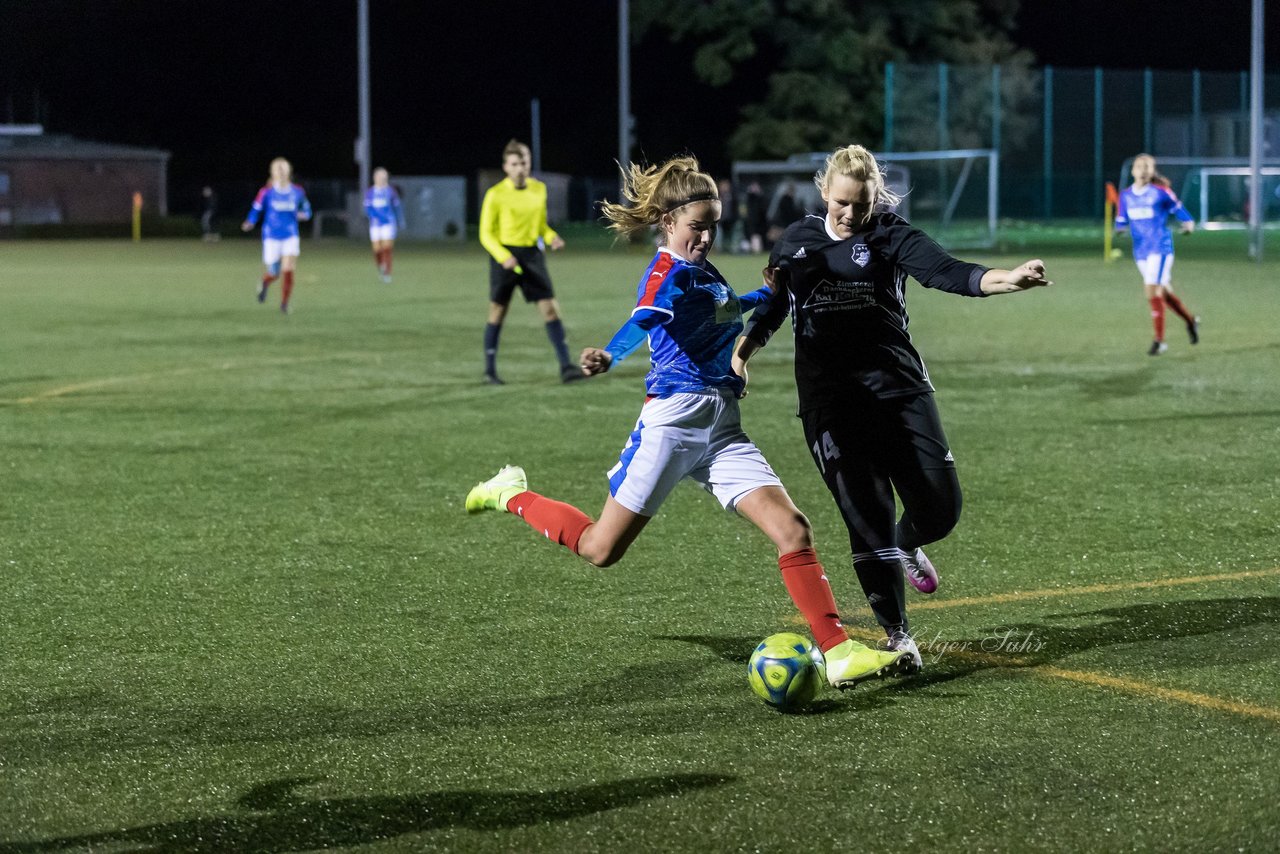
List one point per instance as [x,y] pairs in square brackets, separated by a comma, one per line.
[1193,330]
[1157,347]
[492,379]
[571,373]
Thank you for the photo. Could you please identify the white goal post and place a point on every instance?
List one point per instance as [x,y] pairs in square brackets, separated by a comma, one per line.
[953,194]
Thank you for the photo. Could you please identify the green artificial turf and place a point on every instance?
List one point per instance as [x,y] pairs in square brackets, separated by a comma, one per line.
[243,608]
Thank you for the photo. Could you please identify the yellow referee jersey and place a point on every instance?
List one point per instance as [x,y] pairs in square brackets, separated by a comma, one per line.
[511,217]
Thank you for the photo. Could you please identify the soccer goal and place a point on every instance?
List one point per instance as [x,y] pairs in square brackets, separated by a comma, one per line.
[951,194]
[1215,190]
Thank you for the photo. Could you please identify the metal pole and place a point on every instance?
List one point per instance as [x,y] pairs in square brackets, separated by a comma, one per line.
[888,106]
[993,193]
[1099,192]
[1048,142]
[993,167]
[1255,135]
[362,142]
[624,83]
[1146,110]
[944,97]
[535,134]
[1195,113]
[995,108]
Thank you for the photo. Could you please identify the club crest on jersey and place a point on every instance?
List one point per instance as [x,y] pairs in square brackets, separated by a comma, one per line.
[727,308]
[861,254]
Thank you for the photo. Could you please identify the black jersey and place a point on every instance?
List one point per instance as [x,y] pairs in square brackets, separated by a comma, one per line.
[848,304]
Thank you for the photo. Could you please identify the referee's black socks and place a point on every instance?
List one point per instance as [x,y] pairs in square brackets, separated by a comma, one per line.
[555,332]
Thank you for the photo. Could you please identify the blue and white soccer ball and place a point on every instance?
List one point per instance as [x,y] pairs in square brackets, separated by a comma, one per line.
[786,670]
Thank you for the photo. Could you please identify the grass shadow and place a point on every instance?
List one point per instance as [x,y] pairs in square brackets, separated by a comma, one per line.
[1117,385]
[1034,643]
[272,818]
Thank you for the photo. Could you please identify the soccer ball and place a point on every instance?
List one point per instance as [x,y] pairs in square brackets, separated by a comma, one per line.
[786,671]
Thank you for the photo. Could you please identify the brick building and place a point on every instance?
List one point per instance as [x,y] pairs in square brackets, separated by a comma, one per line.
[55,178]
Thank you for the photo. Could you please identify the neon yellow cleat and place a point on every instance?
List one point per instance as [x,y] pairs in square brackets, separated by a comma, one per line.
[852,662]
[495,492]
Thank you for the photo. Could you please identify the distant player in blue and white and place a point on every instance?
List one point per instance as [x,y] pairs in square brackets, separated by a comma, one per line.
[689,426]
[280,205]
[386,215]
[1145,208]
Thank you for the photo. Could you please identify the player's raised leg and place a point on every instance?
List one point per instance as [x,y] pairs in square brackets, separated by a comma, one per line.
[601,543]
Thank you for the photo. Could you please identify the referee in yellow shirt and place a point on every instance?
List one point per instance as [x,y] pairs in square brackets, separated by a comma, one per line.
[513,224]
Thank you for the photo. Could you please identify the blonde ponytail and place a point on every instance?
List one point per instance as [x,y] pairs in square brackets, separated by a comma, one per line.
[860,164]
[656,190]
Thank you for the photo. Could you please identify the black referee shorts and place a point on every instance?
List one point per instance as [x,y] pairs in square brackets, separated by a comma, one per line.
[534,281]
[867,448]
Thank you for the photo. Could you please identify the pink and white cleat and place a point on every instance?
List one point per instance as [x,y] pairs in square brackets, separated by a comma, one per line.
[920,571]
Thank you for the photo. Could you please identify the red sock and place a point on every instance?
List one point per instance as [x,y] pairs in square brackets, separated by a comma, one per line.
[806,581]
[1174,303]
[557,521]
[268,279]
[1157,316]
[386,260]
[288,287]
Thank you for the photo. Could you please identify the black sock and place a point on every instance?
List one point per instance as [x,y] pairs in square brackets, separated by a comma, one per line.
[491,331]
[885,588]
[555,331]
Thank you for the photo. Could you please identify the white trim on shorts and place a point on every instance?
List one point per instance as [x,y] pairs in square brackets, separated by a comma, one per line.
[1156,269]
[382,232]
[697,435]
[274,250]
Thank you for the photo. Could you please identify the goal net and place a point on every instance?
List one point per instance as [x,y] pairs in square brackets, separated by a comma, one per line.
[950,194]
[1215,190]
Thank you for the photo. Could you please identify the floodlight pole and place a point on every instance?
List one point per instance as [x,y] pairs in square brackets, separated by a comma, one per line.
[535,134]
[362,141]
[1255,135]
[624,83]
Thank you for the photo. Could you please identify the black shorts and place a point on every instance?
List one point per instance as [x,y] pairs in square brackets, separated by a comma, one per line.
[534,281]
[867,448]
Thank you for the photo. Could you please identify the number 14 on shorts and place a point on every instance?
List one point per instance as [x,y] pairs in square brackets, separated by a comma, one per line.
[824,449]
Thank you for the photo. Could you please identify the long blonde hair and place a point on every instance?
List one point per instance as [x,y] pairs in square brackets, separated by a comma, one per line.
[657,190]
[860,164]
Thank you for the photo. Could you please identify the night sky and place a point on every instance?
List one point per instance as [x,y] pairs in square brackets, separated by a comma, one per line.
[227,86]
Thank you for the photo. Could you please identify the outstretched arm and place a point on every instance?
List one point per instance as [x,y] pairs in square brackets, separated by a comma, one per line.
[627,340]
[1023,277]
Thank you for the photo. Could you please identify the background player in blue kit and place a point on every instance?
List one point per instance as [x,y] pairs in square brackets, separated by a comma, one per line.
[689,426]
[280,205]
[386,215]
[1145,208]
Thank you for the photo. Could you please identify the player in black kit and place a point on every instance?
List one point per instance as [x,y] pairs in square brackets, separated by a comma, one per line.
[866,401]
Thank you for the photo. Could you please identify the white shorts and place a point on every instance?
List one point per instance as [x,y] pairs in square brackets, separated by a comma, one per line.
[382,232]
[274,250]
[693,435]
[1156,269]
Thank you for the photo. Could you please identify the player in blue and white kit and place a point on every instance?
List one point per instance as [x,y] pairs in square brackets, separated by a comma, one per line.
[386,215]
[280,205]
[1145,208]
[689,426]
